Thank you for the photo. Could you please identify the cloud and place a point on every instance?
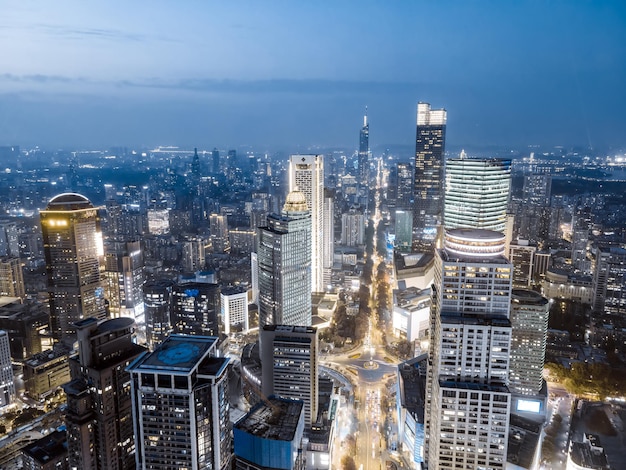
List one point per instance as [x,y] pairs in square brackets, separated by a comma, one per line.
[39,78]
[299,86]
[78,33]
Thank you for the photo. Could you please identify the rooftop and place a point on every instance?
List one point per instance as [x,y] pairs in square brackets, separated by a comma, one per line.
[48,448]
[276,419]
[68,202]
[178,353]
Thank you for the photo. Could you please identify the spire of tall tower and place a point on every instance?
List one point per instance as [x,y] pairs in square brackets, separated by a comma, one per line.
[365,117]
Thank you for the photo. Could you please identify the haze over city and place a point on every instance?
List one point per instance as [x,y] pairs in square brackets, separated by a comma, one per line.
[298,74]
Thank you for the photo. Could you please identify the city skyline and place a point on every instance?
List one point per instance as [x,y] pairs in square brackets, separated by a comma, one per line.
[224,75]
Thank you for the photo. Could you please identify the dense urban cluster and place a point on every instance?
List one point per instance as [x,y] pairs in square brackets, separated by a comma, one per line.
[339,308]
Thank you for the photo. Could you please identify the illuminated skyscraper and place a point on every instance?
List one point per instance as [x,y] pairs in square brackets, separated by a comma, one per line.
[306,174]
[467,414]
[477,193]
[284,265]
[74,263]
[428,182]
[363,162]
[180,402]
[124,282]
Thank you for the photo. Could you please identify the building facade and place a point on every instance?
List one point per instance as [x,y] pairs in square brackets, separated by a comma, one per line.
[74,253]
[234,309]
[289,357]
[529,320]
[195,308]
[477,193]
[306,174]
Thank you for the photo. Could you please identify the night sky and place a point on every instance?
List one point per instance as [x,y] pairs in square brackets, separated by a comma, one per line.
[295,74]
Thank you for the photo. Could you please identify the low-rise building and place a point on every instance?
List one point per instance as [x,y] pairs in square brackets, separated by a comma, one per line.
[45,372]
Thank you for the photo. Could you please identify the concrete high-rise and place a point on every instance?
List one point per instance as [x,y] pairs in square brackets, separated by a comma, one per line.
[289,357]
[74,263]
[428,182]
[529,320]
[468,401]
[284,265]
[353,228]
[181,408]
[99,418]
[477,193]
[306,174]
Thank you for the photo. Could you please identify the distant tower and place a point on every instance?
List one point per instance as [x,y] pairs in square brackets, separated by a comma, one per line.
[428,182]
[289,356]
[284,265]
[181,406]
[99,419]
[7,385]
[74,262]
[363,162]
[469,353]
[215,156]
[306,174]
[477,193]
[195,166]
